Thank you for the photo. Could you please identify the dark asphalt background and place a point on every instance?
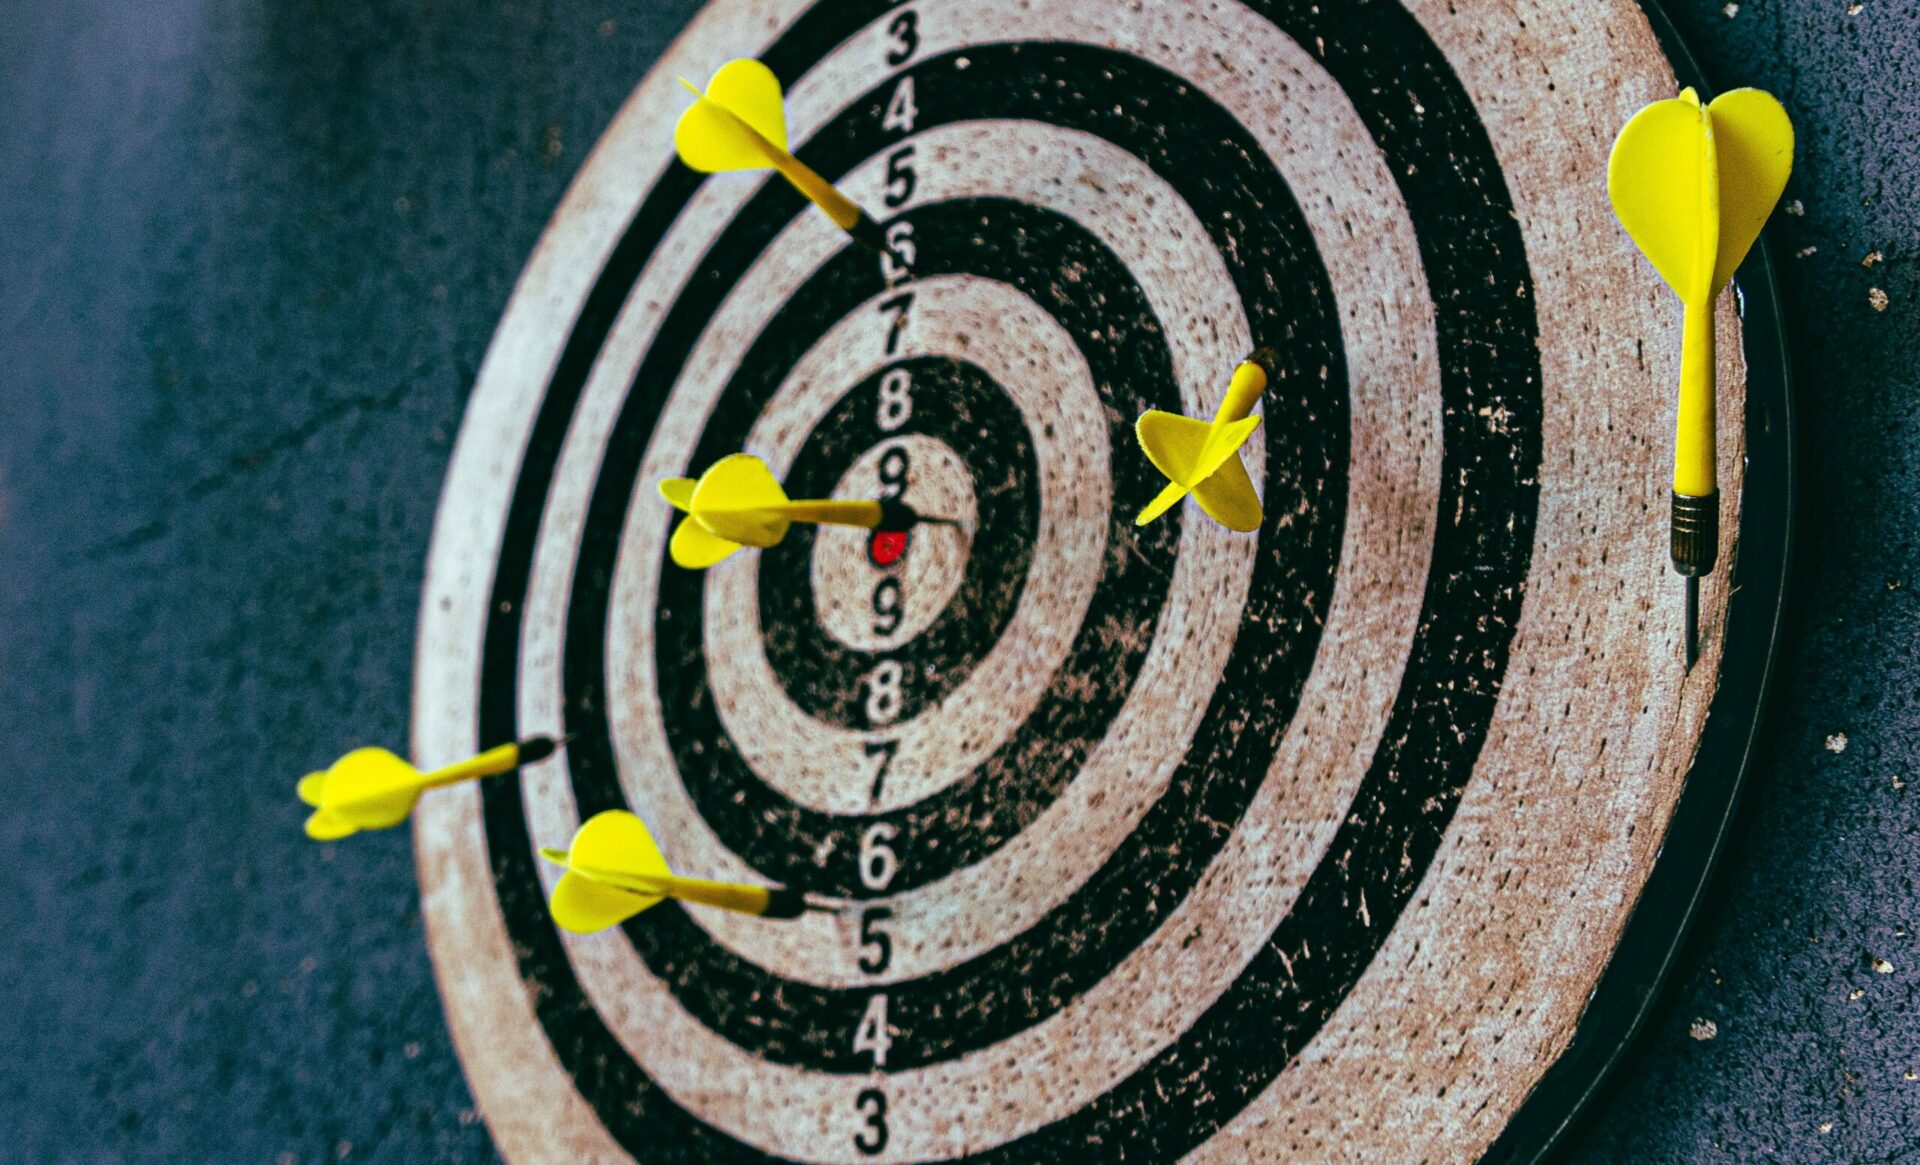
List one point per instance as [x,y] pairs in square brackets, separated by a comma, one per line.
[250,256]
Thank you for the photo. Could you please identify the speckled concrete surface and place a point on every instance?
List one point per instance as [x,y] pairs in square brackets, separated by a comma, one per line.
[250,257]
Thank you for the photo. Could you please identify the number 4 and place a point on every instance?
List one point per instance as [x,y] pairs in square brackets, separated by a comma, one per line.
[872,1036]
[901,112]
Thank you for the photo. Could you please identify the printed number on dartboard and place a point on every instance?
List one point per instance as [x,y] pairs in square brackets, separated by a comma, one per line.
[879,863]
[873,1036]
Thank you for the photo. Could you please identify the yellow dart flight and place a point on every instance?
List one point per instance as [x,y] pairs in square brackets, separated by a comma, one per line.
[738,502]
[1693,184]
[1202,458]
[740,123]
[614,871]
[371,788]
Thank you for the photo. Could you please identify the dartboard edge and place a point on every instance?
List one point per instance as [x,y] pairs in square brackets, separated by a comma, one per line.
[1369,835]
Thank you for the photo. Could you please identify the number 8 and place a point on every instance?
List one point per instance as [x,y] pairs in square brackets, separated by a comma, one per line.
[883,691]
[896,400]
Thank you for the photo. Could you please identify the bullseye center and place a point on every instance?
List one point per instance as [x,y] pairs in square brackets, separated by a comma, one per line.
[875,590]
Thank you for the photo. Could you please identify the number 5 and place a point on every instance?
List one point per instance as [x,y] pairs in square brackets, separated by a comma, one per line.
[899,177]
[873,939]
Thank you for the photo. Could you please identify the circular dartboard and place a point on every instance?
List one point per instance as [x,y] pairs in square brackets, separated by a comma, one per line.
[1365,836]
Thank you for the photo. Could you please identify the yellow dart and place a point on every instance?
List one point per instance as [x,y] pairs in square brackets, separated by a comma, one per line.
[738,502]
[1693,184]
[1202,458]
[614,871]
[371,788]
[740,123]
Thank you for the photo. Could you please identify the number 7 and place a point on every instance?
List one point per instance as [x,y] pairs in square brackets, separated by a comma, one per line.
[884,749]
[901,304]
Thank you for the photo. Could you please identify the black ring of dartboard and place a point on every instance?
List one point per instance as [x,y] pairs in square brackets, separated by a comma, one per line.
[1109,319]
[1081,941]
[1650,943]
[964,409]
[1451,183]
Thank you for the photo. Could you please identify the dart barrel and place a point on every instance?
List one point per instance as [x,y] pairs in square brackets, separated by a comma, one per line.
[897,516]
[784,902]
[867,233]
[1695,526]
[536,749]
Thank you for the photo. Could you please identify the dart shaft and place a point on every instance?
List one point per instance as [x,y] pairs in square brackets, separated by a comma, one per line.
[1693,445]
[501,759]
[726,895]
[864,514]
[1243,392]
[817,190]
[844,212]
[737,896]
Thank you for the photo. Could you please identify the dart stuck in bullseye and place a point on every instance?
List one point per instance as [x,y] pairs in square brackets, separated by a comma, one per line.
[1693,184]
[738,502]
[371,788]
[615,871]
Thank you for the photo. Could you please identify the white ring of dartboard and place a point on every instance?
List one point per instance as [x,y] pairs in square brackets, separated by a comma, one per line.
[1333,841]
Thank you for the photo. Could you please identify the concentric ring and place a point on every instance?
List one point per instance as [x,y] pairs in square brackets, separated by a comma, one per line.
[667,933]
[1214,1063]
[932,566]
[821,675]
[806,760]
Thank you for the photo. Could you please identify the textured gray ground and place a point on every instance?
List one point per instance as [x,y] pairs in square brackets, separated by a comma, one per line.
[250,257]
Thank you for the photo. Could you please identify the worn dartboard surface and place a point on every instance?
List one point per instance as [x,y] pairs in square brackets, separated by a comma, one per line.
[1161,842]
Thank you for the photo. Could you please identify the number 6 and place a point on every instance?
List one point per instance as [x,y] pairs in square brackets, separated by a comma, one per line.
[878,862]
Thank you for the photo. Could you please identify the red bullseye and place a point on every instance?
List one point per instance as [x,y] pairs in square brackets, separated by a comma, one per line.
[887,547]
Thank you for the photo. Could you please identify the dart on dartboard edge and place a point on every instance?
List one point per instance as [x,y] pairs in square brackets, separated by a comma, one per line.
[740,123]
[1693,184]
[738,502]
[371,788]
[615,870]
[1202,458]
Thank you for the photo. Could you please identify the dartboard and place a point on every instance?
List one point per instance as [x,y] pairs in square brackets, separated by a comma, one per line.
[1365,836]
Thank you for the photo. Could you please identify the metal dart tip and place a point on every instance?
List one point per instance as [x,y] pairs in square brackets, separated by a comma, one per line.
[1693,620]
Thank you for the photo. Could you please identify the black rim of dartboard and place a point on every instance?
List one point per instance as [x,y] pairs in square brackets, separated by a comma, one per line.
[1757,589]
[1462,216]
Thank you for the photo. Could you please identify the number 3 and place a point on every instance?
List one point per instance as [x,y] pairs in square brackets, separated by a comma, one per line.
[873,1138]
[905,31]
